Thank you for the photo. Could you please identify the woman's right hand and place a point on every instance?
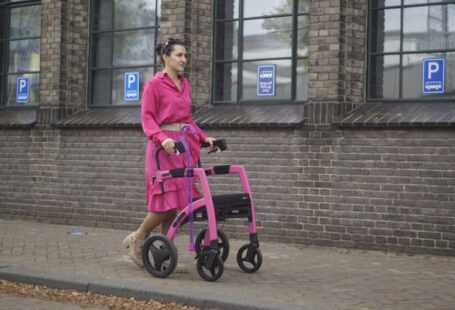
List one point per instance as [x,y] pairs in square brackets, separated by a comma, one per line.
[168,145]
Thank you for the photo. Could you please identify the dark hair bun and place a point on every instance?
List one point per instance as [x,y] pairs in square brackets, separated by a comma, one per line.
[159,48]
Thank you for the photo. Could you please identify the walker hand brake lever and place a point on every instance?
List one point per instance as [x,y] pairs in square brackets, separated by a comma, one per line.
[179,147]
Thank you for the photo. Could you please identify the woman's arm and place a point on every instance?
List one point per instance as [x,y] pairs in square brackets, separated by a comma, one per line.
[150,106]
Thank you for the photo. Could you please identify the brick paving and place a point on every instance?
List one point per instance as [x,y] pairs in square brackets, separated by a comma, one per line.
[291,277]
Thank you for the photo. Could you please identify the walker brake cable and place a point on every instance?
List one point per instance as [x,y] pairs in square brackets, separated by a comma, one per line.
[192,246]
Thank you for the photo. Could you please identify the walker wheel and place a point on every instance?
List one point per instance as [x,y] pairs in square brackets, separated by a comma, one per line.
[249,258]
[210,265]
[159,256]
[223,243]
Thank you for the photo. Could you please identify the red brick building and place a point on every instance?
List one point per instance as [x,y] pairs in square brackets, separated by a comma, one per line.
[348,137]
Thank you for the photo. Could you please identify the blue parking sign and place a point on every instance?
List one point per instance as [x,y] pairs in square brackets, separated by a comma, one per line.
[433,76]
[266,80]
[22,90]
[131,86]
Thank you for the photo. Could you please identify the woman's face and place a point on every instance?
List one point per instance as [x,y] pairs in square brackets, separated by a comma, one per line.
[176,61]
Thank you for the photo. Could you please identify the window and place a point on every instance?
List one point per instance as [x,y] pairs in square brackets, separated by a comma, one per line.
[406,37]
[20,39]
[260,51]
[122,53]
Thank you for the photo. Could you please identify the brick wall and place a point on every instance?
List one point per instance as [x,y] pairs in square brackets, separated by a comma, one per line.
[64,61]
[192,21]
[372,189]
[337,45]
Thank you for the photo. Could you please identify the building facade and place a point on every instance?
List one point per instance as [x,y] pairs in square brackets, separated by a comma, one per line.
[342,112]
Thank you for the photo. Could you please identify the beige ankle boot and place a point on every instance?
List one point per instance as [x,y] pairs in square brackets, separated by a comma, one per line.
[135,242]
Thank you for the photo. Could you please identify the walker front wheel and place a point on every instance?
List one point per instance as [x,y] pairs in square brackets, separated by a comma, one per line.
[210,265]
[223,243]
[159,256]
[249,258]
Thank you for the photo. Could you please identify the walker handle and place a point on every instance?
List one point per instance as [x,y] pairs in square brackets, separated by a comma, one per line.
[219,143]
[179,146]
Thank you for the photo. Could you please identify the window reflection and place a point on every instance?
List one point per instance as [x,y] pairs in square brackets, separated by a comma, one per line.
[429,28]
[226,86]
[386,36]
[385,77]
[267,38]
[134,14]
[134,48]
[267,7]
[273,34]
[25,22]
[427,31]
[123,40]
[20,52]
[24,55]
[227,35]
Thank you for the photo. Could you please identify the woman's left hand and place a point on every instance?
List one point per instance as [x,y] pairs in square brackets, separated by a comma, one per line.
[210,141]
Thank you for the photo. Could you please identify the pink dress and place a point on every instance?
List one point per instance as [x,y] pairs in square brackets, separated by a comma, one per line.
[163,103]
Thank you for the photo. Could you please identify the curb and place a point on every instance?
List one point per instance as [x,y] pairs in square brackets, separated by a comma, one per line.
[85,284]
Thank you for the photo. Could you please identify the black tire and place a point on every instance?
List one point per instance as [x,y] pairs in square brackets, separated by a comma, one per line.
[210,265]
[223,243]
[249,258]
[159,256]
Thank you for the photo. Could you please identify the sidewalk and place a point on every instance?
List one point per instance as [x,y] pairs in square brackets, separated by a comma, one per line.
[314,278]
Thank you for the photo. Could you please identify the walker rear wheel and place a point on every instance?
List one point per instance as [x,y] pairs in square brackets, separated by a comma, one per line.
[223,243]
[159,256]
[210,265]
[249,258]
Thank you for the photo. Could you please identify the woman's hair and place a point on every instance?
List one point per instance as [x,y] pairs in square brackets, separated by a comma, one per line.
[167,47]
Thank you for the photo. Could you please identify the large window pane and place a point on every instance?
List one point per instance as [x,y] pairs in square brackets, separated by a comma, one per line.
[25,22]
[227,38]
[385,3]
[429,28]
[101,88]
[118,77]
[283,80]
[304,6]
[412,74]
[134,14]
[302,35]
[123,40]
[2,26]
[385,77]
[227,9]
[134,48]
[386,31]
[24,55]
[102,50]
[103,13]
[226,82]
[302,80]
[408,2]
[267,38]
[33,90]
[269,32]
[266,7]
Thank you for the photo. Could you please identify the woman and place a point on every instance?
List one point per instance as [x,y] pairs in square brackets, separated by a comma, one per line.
[166,108]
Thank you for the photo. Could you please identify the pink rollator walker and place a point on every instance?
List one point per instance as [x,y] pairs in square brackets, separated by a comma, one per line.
[211,246]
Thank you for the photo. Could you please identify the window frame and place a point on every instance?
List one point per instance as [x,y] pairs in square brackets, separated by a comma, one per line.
[112,68]
[400,53]
[240,61]
[5,44]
